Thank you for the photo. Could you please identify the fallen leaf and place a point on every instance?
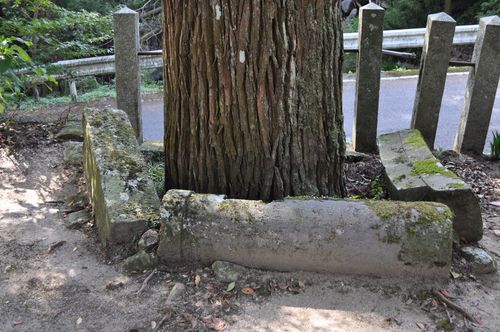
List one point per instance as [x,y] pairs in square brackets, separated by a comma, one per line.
[153,325]
[478,320]
[455,275]
[219,324]
[247,291]
[302,285]
[422,326]
[55,245]
[197,280]
[79,321]
[18,322]
[231,286]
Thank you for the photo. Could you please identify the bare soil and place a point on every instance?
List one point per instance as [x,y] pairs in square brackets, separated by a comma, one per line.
[77,286]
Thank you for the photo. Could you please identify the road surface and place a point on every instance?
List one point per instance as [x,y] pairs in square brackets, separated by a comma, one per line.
[396,102]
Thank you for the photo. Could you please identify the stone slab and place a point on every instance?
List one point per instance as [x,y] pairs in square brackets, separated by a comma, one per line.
[380,238]
[413,174]
[122,195]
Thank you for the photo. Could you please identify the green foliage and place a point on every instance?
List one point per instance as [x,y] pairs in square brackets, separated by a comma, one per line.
[377,188]
[12,57]
[495,145]
[404,14]
[54,32]
[471,13]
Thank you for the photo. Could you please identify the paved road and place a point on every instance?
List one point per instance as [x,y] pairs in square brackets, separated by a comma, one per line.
[396,101]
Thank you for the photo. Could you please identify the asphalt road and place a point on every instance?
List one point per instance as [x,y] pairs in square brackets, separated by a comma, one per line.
[396,102]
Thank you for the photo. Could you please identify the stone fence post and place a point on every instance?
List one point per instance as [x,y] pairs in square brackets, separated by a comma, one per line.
[436,54]
[481,88]
[370,38]
[128,79]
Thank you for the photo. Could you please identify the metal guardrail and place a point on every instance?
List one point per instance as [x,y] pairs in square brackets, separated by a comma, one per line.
[413,38]
[393,39]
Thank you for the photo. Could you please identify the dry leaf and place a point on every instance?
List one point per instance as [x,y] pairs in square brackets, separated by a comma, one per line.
[231,286]
[197,280]
[55,245]
[79,321]
[478,320]
[219,324]
[18,322]
[247,291]
[455,275]
[302,285]
[422,326]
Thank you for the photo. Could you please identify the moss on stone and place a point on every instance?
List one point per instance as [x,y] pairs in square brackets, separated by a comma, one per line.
[429,212]
[456,185]
[415,140]
[430,166]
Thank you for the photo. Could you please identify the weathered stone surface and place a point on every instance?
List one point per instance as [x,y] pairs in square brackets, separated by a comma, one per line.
[122,195]
[353,156]
[148,240]
[140,261]
[73,153]
[350,237]
[153,150]
[480,260]
[414,174]
[72,131]
[127,72]
[227,271]
[371,28]
[481,88]
[436,54]
[76,220]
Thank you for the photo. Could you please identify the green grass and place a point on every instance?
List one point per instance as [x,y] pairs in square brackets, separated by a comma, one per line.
[495,145]
[102,91]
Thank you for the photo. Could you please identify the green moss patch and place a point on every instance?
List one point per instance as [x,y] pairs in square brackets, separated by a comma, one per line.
[430,166]
[456,185]
[429,212]
[415,140]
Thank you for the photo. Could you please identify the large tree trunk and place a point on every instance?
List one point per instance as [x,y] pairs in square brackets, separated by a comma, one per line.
[253,97]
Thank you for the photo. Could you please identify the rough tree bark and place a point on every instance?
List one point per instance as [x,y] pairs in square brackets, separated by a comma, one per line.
[253,97]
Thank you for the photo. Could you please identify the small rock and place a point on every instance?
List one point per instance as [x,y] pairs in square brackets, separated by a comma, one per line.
[140,261]
[70,132]
[353,156]
[76,220]
[148,240]
[176,292]
[481,261]
[73,153]
[226,271]
[114,285]
[446,154]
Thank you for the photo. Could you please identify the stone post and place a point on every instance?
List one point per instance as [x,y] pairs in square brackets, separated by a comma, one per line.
[436,55]
[481,88]
[128,80]
[73,91]
[370,38]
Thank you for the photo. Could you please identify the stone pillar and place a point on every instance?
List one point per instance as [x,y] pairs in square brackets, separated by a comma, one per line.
[73,91]
[128,80]
[370,38]
[436,55]
[481,88]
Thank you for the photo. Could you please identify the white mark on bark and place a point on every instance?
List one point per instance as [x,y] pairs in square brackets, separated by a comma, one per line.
[242,56]
[218,12]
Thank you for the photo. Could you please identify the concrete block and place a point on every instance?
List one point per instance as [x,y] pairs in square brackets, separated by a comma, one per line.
[122,195]
[381,238]
[413,173]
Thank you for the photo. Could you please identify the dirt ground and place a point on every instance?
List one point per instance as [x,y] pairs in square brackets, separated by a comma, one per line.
[76,286]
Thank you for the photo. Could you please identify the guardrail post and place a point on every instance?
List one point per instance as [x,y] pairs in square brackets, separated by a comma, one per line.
[481,88]
[436,55]
[128,79]
[370,37]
